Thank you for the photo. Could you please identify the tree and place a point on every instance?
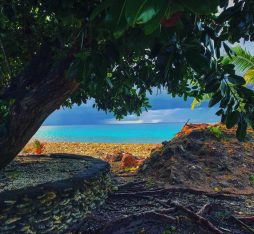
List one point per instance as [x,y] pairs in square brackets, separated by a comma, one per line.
[244,66]
[244,63]
[57,53]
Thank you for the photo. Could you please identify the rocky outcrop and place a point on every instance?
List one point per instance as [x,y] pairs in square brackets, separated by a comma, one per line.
[129,160]
[54,206]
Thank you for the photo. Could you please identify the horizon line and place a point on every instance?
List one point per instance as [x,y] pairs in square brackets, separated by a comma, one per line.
[49,125]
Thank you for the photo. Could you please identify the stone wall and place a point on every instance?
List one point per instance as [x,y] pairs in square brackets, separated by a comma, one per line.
[55,206]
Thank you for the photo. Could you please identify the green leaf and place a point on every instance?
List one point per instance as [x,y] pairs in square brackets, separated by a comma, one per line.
[219,112]
[99,9]
[229,68]
[232,119]
[215,99]
[245,92]
[109,82]
[237,80]
[241,130]
[203,7]
[212,86]
[77,69]
[3,129]
[200,63]
[154,23]
[243,62]
[250,120]
[224,102]
[115,18]
[141,11]
[228,50]
[249,76]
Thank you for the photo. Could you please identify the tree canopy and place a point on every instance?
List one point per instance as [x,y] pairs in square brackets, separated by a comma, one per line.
[122,49]
[244,63]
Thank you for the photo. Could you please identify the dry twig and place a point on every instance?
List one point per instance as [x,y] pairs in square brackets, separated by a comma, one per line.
[204,209]
[161,191]
[197,218]
[241,223]
[145,216]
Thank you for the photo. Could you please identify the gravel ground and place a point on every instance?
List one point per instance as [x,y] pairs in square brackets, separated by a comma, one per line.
[27,171]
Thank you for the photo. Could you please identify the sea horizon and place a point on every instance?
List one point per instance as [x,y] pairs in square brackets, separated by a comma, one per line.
[120,133]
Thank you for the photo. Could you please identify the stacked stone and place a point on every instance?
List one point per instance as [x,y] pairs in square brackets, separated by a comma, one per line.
[54,207]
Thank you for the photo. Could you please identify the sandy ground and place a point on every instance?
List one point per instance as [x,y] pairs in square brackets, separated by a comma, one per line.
[98,149]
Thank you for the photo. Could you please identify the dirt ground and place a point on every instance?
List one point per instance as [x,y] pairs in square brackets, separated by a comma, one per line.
[199,182]
[197,158]
[141,206]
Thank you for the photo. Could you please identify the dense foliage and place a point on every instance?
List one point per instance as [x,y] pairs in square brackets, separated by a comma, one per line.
[124,49]
[244,64]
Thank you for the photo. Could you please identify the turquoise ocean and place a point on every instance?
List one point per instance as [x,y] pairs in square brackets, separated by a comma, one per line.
[110,133]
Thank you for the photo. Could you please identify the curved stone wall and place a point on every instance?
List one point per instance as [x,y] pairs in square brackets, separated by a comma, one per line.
[54,206]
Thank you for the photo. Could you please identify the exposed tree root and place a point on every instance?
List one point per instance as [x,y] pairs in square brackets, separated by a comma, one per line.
[159,216]
[131,184]
[150,211]
[204,209]
[165,211]
[197,218]
[249,219]
[241,223]
[120,224]
[158,192]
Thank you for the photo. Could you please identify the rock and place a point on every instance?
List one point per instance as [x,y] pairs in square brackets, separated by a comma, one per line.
[164,143]
[129,160]
[113,157]
[224,184]
[214,184]
[189,128]
[236,183]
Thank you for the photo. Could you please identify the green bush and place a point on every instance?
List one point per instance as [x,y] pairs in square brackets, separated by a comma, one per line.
[216,132]
[251,178]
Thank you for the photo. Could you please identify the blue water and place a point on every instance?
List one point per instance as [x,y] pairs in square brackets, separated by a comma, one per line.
[115,133]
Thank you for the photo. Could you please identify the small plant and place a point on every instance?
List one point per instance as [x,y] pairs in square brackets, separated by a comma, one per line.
[251,179]
[216,132]
[36,147]
[169,231]
[128,169]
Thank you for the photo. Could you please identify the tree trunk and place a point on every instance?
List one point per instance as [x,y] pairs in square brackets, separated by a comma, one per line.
[38,91]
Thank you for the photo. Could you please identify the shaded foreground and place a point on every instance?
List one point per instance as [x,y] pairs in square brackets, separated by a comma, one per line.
[200,182]
[33,170]
[141,207]
[47,202]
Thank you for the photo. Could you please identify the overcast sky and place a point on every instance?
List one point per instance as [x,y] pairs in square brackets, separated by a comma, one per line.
[164,109]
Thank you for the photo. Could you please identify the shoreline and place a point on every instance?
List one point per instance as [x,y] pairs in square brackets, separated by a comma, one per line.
[97,150]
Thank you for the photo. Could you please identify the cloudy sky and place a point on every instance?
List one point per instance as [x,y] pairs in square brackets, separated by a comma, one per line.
[164,109]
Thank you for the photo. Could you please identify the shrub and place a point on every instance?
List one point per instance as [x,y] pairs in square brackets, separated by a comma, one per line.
[216,132]
[251,178]
[36,147]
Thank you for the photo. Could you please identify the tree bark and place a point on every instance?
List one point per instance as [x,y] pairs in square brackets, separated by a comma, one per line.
[38,91]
